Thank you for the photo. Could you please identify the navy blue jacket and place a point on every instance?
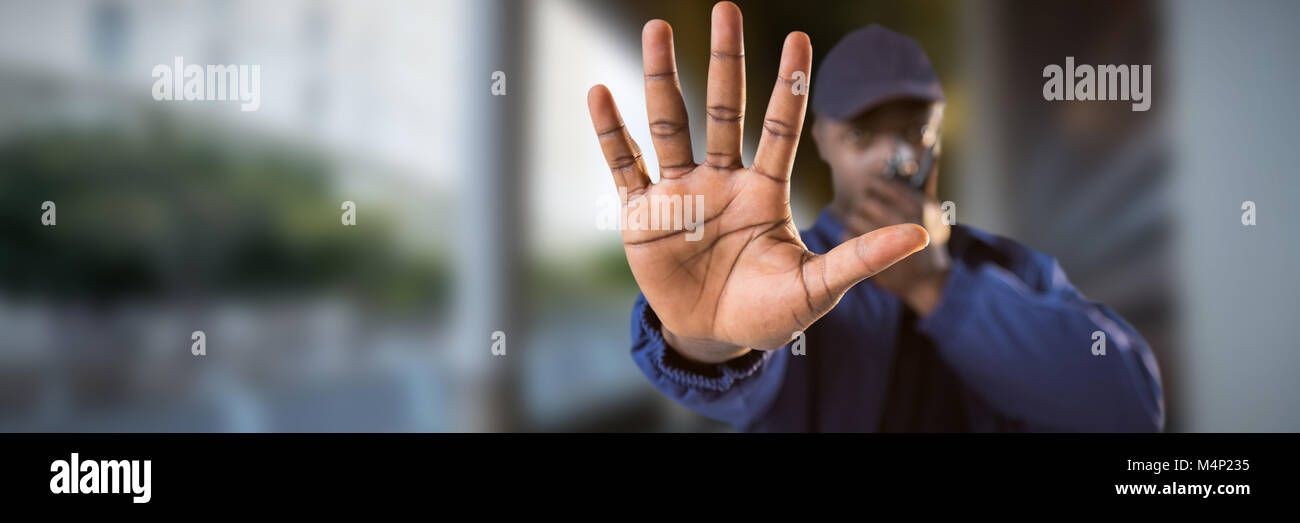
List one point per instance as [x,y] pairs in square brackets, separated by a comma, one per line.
[1009,348]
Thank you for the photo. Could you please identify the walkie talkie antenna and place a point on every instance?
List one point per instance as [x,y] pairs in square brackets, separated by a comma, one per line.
[924,167]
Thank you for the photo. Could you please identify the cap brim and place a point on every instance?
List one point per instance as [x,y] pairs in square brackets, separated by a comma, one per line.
[914,91]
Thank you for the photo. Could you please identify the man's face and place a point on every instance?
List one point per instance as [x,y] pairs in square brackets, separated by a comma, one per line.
[859,150]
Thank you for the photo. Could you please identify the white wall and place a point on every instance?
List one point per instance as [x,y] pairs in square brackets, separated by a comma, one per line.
[1234,115]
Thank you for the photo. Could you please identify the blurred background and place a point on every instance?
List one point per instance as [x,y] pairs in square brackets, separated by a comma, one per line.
[477,213]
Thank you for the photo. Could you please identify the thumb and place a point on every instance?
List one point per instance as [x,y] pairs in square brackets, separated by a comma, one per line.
[862,257]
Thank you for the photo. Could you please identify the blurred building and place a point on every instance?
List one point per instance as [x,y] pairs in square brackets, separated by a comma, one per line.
[293,360]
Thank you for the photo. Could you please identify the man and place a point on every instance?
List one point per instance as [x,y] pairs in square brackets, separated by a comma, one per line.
[972,333]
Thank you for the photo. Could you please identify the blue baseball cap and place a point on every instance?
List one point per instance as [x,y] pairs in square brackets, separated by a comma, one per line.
[868,67]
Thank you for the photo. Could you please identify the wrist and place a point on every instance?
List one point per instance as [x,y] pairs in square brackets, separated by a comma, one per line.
[702,351]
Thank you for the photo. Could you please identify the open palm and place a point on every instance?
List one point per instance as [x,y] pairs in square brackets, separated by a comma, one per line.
[749,281]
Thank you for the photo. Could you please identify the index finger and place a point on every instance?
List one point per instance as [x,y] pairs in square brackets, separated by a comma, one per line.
[785,112]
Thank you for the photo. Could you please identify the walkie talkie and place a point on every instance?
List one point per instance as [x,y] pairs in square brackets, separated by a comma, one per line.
[902,156]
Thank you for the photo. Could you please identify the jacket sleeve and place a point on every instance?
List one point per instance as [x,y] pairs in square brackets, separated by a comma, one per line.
[738,391]
[1027,347]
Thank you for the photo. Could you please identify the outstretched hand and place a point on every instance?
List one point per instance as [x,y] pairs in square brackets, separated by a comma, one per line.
[749,282]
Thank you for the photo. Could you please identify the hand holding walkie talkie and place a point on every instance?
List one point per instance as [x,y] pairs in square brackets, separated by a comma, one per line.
[902,165]
[900,196]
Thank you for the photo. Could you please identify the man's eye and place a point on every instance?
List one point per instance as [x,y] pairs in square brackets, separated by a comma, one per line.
[915,133]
